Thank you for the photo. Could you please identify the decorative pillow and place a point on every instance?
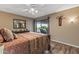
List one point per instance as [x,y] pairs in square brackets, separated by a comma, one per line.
[7,34]
[27,30]
[1,39]
[15,36]
[21,31]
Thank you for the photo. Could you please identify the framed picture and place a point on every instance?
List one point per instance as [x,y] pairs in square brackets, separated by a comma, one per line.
[19,24]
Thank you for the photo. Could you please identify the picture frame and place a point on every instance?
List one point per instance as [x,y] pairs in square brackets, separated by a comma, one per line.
[19,24]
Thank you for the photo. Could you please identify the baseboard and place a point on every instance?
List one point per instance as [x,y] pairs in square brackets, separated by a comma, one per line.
[65,43]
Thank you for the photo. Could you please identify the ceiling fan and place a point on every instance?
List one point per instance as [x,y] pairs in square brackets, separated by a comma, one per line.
[32,8]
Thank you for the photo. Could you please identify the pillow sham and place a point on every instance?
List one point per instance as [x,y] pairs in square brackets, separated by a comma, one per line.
[7,34]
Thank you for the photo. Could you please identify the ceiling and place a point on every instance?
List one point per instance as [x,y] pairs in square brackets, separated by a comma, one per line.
[43,9]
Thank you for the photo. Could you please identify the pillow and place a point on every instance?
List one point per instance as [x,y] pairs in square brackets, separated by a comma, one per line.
[15,36]
[7,34]
[1,39]
[21,31]
[27,30]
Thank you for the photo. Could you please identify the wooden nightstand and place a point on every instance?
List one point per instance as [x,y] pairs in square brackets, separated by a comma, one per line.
[1,48]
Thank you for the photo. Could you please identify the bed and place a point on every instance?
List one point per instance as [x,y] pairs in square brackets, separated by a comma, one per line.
[27,43]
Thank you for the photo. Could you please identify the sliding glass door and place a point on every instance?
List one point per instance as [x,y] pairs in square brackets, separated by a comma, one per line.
[41,26]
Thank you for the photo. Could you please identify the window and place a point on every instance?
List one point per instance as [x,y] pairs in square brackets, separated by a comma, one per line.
[41,26]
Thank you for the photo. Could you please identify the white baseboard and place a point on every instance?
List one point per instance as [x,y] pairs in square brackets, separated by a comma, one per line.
[65,43]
